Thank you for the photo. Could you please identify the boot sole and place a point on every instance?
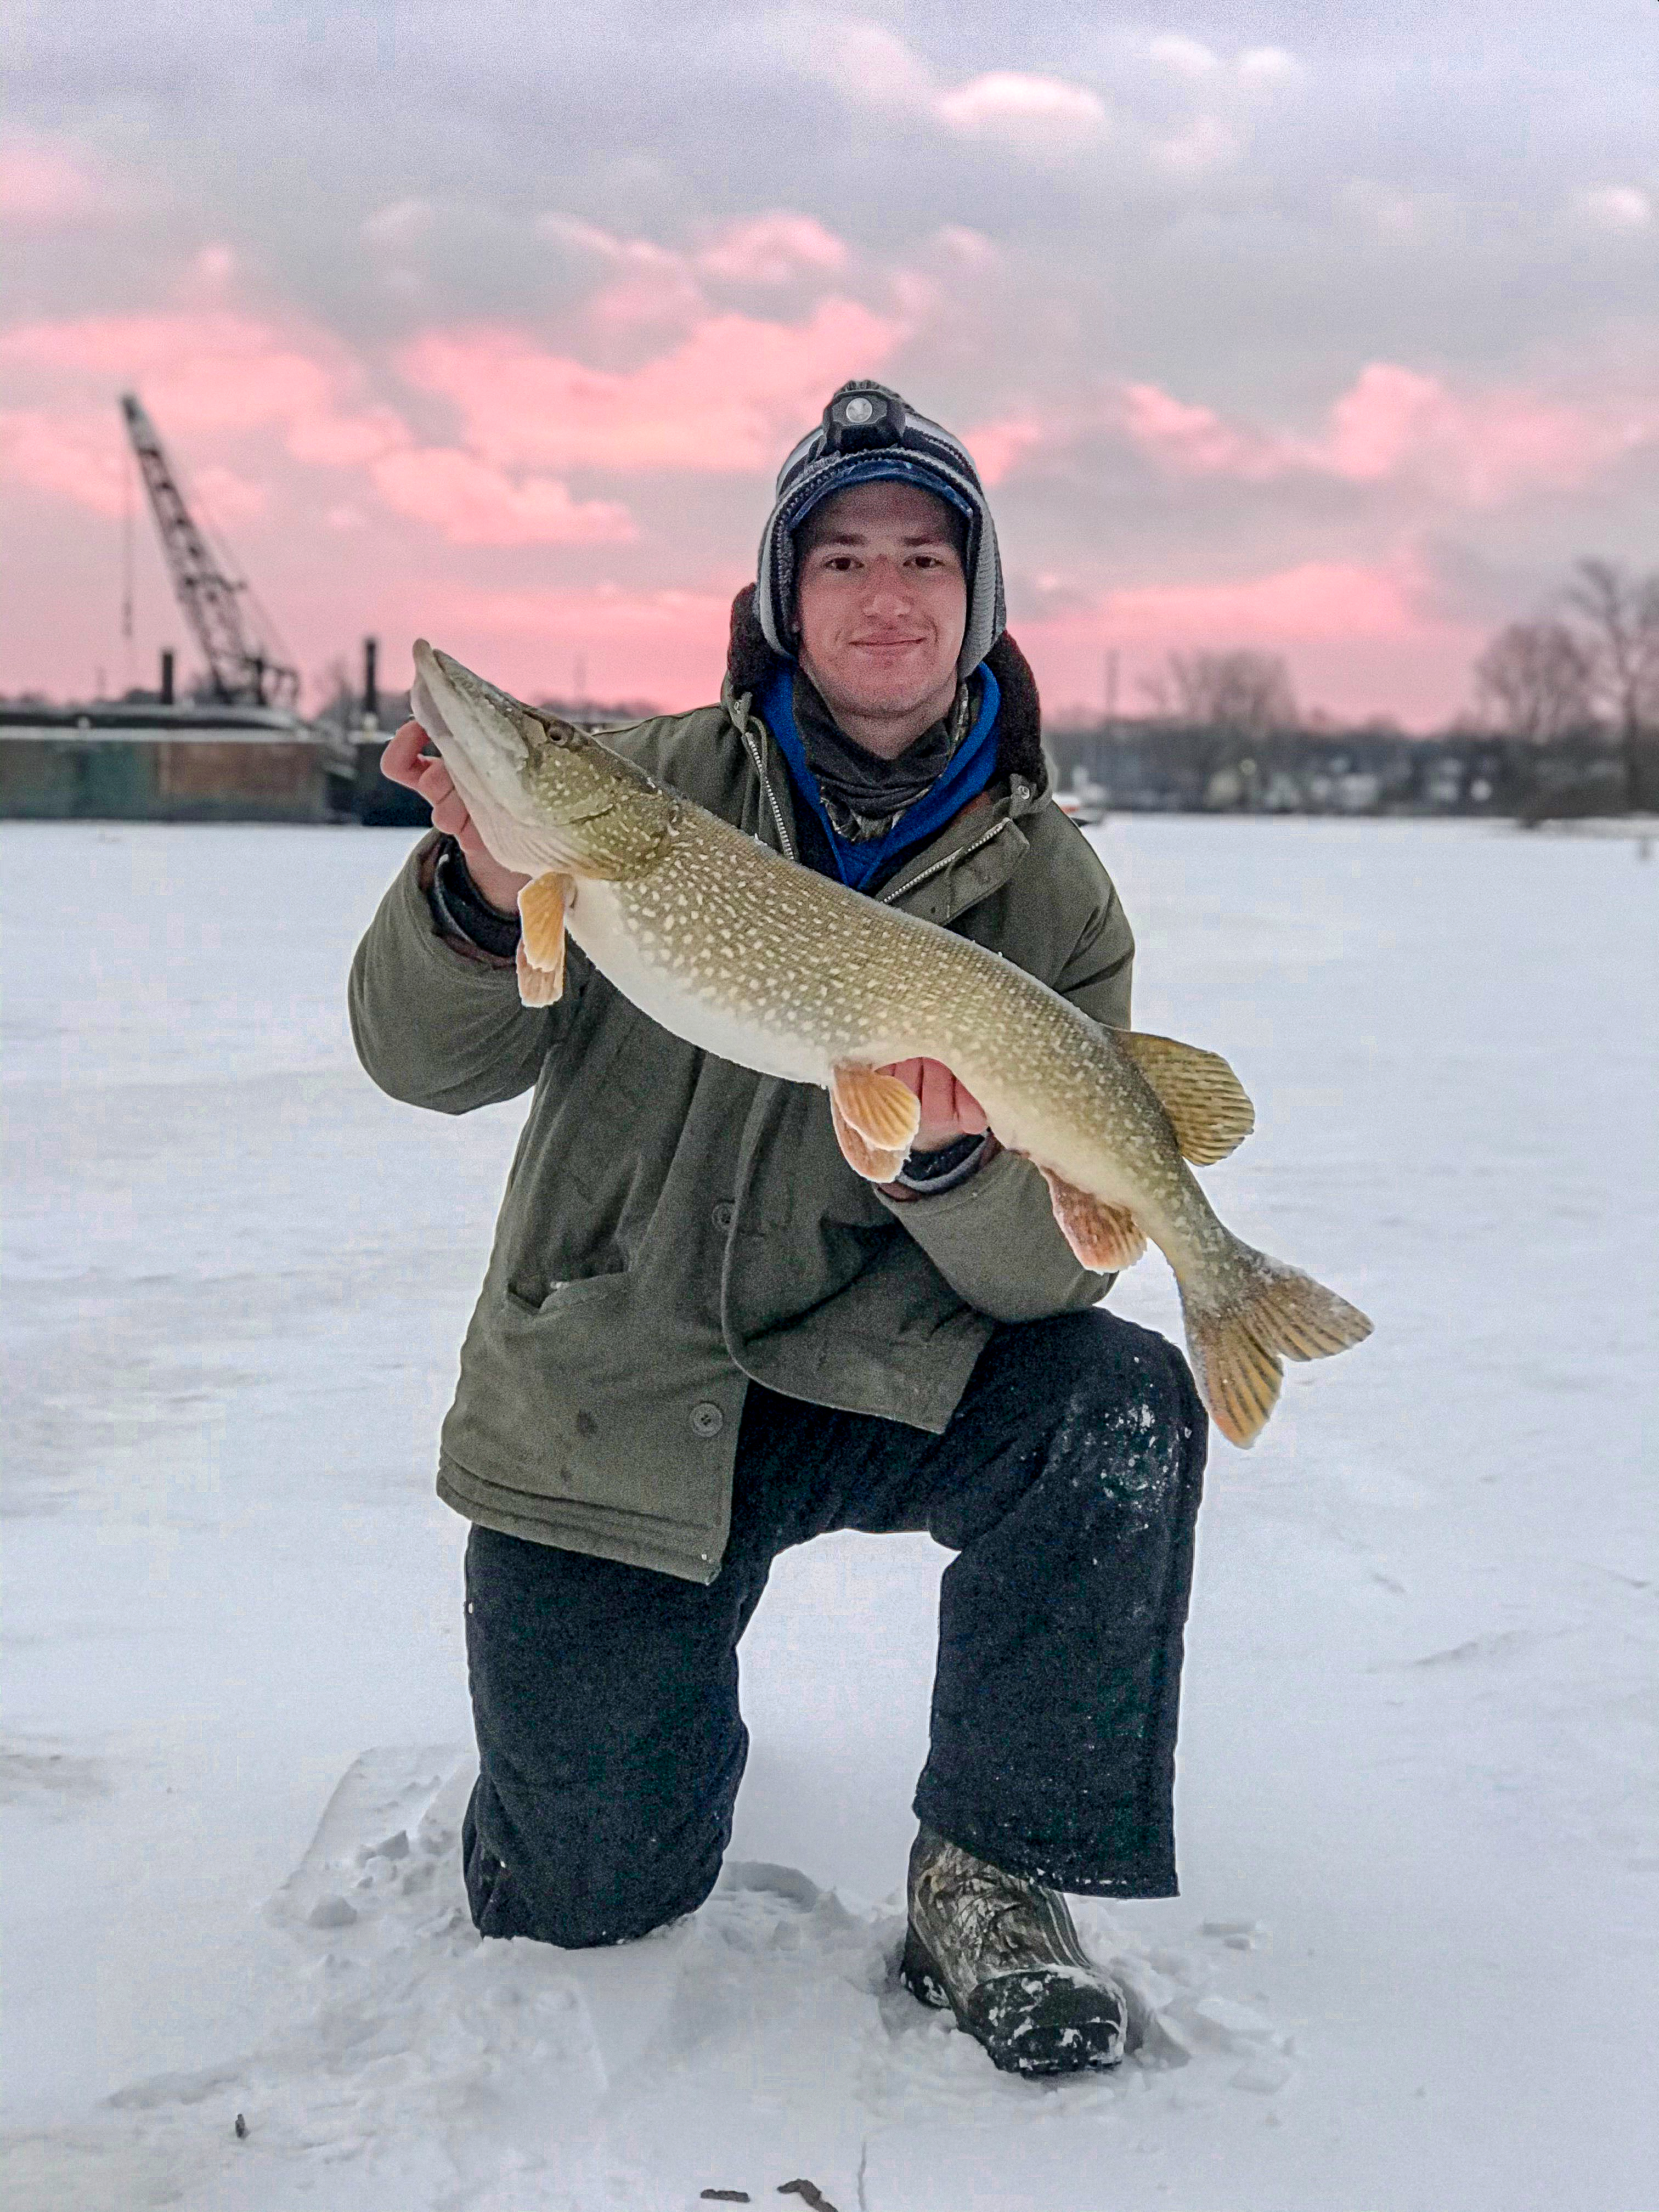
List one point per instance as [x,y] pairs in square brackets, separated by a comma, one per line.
[922,1977]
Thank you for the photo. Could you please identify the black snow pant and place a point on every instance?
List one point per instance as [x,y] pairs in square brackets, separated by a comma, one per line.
[605,1697]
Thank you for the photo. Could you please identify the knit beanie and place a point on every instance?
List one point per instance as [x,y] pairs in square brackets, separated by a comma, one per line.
[868,433]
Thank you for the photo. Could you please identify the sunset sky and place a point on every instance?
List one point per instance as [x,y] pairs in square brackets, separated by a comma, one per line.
[1324,328]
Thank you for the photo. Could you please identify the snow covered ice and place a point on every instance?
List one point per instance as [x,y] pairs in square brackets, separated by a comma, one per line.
[1415,1963]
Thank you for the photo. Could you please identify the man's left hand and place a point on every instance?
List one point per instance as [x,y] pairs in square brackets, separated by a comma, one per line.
[948,1109]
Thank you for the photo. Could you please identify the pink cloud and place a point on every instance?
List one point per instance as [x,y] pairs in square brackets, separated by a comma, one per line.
[472,502]
[1359,637]
[1044,112]
[729,396]
[772,249]
[667,645]
[1194,440]
[1313,602]
[650,287]
[207,370]
[44,184]
[1394,424]
[348,438]
[1483,445]
[207,376]
[654,285]
[664,298]
[225,497]
[77,458]
[999,446]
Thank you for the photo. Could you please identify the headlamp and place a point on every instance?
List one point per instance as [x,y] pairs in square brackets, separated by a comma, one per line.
[862,418]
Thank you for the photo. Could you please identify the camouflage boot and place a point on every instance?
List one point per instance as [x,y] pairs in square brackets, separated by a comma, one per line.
[1002,1953]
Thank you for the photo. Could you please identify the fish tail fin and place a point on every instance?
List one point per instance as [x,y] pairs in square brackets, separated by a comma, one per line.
[1264,1313]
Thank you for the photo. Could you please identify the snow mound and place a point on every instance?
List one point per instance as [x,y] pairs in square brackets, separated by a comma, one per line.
[766,2038]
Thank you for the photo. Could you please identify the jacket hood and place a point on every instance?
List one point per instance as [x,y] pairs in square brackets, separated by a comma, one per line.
[869,432]
[750,662]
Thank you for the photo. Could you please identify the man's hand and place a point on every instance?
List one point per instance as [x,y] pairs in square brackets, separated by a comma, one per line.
[949,1110]
[404,760]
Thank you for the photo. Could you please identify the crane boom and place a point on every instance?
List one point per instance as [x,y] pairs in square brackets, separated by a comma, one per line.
[242,670]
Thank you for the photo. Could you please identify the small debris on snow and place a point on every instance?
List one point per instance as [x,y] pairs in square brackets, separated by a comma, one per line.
[813,2195]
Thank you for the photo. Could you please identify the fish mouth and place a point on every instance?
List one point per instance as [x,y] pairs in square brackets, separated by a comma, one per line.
[535,787]
[423,703]
[474,727]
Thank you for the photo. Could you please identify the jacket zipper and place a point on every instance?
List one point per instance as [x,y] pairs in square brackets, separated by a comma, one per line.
[950,860]
[753,750]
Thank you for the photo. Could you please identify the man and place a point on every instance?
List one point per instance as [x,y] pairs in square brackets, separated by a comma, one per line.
[702,1337]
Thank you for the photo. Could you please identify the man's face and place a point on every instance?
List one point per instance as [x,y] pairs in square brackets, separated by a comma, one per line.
[882,603]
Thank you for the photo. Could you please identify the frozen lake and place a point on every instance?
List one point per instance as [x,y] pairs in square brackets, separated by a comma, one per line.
[1415,1963]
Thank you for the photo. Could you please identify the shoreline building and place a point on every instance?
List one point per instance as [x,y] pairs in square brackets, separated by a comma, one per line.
[137,761]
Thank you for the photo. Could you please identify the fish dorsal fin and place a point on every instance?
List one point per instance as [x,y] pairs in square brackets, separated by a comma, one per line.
[1207,1103]
[884,1112]
[865,1158]
[1102,1236]
[541,946]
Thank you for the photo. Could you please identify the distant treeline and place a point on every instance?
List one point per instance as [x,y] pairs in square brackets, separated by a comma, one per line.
[1164,765]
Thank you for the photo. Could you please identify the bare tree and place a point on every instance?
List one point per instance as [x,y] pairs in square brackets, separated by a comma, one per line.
[1536,680]
[1246,693]
[1617,615]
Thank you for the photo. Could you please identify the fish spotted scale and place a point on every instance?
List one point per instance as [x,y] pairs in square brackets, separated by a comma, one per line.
[746,954]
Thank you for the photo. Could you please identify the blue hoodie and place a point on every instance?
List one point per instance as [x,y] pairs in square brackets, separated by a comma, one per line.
[970,770]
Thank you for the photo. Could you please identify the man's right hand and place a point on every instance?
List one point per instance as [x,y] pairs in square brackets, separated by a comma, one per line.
[405,760]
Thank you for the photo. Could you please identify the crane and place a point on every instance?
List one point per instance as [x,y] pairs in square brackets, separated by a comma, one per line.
[244,669]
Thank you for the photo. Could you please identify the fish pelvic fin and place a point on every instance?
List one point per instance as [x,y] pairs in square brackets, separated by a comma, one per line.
[884,1112]
[1102,1237]
[871,1161]
[1207,1105]
[541,944]
[1237,1343]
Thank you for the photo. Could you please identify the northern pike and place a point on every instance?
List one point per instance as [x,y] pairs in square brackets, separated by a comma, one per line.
[748,955]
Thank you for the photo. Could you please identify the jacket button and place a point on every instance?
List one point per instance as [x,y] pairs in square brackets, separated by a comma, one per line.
[707,1420]
[724,1214]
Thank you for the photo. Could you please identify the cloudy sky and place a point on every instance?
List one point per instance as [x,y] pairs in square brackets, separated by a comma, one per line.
[1327,328]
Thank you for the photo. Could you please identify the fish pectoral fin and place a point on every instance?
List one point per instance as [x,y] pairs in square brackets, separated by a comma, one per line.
[538,987]
[1104,1237]
[884,1111]
[865,1158]
[1207,1105]
[542,903]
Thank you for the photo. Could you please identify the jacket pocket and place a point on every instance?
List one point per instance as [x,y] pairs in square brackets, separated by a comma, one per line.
[562,1296]
[590,1402]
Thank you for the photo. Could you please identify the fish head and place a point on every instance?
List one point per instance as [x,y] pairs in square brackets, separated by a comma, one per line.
[542,792]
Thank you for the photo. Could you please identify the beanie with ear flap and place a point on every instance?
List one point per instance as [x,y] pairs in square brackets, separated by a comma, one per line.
[868,434]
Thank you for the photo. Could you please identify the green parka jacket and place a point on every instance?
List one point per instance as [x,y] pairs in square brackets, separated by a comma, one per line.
[674,1225]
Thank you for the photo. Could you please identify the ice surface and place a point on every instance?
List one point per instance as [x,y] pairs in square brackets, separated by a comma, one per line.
[1415,1965]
